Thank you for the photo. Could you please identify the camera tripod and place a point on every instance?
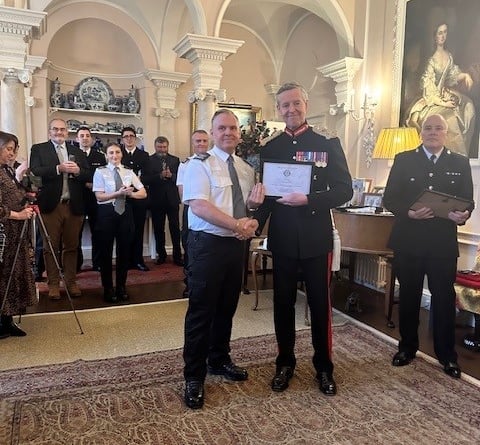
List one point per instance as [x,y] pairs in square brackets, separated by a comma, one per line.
[23,233]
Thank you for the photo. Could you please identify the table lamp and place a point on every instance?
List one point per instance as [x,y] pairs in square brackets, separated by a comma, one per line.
[392,141]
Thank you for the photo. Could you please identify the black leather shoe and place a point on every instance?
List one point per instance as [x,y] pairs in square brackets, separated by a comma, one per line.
[121,294]
[281,379]
[159,261]
[401,358]
[15,331]
[109,296]
[194,394]
[452,369]
[143,267]
[326,384]
[230,372]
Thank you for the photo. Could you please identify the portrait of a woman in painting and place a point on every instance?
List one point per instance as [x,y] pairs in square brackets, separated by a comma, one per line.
[443,86]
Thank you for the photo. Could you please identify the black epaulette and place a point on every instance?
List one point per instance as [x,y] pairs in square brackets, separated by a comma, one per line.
[202,156]
[103,166]
[127,168]
[185,160]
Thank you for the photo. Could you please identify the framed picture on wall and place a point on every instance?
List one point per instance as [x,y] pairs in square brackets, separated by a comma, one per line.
[441,68]
[247,114]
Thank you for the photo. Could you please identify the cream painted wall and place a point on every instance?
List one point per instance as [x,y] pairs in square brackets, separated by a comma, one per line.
[272,53]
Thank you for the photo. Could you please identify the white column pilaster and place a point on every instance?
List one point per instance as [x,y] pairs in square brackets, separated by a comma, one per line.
[206,54]
[17,28]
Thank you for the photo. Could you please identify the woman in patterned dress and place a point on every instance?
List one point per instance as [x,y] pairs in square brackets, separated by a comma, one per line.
[13,213]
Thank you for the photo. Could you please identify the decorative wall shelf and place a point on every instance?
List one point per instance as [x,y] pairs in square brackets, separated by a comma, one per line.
[100,113]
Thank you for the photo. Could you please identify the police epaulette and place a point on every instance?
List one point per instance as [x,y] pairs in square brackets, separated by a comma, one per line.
[327,134]
[266,140]
[103,166]
[202,156]
[185,160]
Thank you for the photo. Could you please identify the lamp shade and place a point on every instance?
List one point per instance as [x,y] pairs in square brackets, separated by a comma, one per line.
[395,140]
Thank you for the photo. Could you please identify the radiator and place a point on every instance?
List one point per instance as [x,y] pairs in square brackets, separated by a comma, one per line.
[370,270]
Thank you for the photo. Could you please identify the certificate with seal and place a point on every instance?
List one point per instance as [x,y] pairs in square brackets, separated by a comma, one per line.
[280,178]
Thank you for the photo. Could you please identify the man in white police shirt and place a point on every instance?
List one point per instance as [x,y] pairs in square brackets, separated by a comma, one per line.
[215,250]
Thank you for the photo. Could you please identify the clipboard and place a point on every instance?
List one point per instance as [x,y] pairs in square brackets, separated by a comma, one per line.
[441,203]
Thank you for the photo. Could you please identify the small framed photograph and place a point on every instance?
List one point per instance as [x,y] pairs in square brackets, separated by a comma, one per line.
[360,186]
[379,189]
[372,199]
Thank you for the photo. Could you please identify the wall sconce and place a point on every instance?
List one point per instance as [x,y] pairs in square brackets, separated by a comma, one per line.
[392,141]
[367,110]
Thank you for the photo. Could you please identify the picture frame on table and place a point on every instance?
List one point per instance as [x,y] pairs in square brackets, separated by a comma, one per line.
[360,186]
[372,200]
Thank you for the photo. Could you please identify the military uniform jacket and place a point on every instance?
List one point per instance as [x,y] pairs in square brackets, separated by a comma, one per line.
[95,159]
[137,161]
[306,231]
[412,172]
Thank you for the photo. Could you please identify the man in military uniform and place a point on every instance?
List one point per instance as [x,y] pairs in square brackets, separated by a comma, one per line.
[424,244]
[217,185]
[300,234]
[95,159]
[137,160]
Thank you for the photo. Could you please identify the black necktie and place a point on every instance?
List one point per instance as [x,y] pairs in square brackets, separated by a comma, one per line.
[432,159]
[119,204]
[239,210]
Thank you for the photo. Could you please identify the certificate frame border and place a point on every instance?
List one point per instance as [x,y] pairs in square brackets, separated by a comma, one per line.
[277,161]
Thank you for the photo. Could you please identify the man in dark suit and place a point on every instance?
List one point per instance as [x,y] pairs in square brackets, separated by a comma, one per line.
[161,178]
[300,234]
[424,244]
[64,170]
[95,159]
[137,160]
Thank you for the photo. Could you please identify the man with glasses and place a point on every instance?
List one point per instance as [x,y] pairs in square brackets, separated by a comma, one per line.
[137,160]
[64,171]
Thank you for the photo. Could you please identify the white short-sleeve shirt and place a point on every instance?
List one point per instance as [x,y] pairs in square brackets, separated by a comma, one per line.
[104,180]
[209,179]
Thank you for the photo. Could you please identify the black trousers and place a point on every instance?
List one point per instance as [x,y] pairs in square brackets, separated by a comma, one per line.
[441,274]
[214,278]
[91,213]
[112,227]
[316,275]
[139,211]
[159,213]
[184,240]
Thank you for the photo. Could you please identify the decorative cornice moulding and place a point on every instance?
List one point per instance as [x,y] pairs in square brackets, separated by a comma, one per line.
[23,22]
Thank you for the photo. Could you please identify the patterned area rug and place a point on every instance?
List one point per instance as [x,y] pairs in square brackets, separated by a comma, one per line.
[88,279]
[138,400]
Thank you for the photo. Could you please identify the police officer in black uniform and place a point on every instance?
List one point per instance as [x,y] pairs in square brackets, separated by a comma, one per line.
[424,244]
[95,159]
[300,234]
[137,160]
